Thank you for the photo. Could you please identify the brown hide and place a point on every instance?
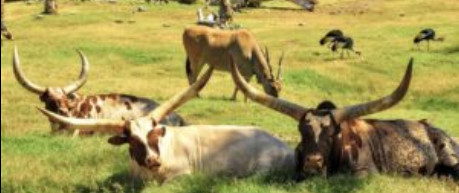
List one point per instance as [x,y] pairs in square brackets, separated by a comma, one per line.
[399,146]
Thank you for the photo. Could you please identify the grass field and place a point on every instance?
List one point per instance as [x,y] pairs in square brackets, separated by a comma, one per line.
[146,58]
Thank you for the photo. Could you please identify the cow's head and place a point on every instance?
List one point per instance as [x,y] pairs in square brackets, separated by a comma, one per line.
[145,140]
[55,99]
[274,83]
[144,136]
[320,127]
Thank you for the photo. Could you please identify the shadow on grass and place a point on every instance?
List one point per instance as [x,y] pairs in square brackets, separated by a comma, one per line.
[118,183]
[281,9]
[451,50]
[335,184]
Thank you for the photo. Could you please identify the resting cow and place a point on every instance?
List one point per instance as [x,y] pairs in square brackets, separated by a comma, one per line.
[336,139]
[66,102]
[161,152]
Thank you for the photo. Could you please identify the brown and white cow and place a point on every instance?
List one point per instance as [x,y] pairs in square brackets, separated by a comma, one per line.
[336,139]
[161,152]
[205,45]
[64,101]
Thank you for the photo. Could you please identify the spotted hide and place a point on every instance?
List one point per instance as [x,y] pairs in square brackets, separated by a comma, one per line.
[64,101]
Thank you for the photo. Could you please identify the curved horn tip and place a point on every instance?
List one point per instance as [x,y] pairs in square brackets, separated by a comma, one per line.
[47,113]
[21,78]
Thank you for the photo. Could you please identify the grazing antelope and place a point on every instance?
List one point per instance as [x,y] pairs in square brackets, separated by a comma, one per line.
[344,43]
[161,153]
[204,45]
[426,35]
[336,140]
[64,101]
[330,36]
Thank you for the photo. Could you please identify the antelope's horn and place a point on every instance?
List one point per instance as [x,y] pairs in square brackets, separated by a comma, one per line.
[279,71]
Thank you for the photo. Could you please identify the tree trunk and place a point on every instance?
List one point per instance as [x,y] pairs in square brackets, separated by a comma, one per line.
[50,7]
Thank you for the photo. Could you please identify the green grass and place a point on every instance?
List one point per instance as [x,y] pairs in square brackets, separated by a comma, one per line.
[145,58]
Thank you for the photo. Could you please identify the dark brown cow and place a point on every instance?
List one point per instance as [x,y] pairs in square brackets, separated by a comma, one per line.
[336,139]
[66,102]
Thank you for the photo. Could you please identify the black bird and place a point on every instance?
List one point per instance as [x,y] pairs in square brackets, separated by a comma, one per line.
[330,36]
[426,35]
[345,43]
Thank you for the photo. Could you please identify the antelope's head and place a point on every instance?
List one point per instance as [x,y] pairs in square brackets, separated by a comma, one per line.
[273,86]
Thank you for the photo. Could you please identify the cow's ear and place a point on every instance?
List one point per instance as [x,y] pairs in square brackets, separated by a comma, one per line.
[118,140]
[163,131]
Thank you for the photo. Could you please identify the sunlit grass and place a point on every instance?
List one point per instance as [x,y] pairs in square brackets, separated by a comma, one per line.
[144,56]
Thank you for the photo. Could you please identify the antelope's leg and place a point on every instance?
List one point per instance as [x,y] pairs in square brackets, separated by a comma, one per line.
[233,98]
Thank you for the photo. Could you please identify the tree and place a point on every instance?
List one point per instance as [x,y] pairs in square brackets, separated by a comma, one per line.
[50,7]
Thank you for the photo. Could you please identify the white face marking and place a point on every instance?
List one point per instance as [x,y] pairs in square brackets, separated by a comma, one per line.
[140,128]
[315,124]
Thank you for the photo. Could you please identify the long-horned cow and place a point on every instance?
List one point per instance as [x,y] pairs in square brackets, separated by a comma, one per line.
[336,139]
[160,152]
[66,102]
[204,45]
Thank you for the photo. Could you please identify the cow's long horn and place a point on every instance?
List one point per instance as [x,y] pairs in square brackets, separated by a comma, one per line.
[82,78]
[26,83]
[95,125]
[293,110]
[167,107]
[382,104]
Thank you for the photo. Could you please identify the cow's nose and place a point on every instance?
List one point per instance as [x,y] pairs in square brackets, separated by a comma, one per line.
[315,159]
[152,162]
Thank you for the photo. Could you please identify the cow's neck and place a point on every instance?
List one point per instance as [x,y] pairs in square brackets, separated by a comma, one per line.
[346,148]
[181,148]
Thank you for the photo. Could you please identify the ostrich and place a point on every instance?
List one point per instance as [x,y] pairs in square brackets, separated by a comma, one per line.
[345,43]
[330,36]
[426,35]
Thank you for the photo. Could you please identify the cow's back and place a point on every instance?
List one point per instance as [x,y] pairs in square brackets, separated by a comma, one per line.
[401,146]
[240,151]
[125,107]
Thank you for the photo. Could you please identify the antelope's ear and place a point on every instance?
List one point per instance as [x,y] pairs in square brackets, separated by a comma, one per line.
[118,140]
